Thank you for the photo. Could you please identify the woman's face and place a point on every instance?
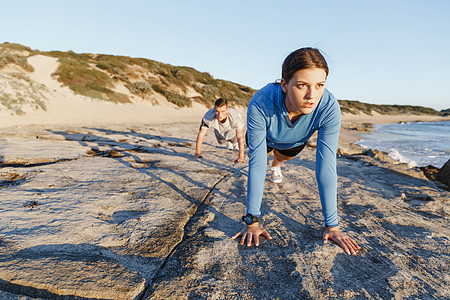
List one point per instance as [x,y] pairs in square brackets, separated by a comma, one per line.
[304,90]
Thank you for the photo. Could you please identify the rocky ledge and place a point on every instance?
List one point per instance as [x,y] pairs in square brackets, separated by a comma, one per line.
[117,212]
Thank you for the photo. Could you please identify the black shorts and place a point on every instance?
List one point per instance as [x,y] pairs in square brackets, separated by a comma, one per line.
[289,152]
[286,152]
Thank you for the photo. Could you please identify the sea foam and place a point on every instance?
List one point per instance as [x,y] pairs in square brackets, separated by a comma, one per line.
[415,143]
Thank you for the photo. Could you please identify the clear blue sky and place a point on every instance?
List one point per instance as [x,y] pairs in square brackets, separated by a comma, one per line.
[383,52]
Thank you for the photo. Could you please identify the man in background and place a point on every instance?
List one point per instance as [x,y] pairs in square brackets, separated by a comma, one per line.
[228,128]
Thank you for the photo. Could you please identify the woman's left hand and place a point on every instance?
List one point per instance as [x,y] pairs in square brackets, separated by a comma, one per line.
[340,238]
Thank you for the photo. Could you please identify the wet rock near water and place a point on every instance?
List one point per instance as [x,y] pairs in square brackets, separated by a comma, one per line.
[441,175]
[444,174]
[430,172]
[359,126]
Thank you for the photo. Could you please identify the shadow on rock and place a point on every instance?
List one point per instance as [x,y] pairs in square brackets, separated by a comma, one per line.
[67,271]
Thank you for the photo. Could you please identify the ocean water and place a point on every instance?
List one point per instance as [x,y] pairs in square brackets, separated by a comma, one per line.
[418,144]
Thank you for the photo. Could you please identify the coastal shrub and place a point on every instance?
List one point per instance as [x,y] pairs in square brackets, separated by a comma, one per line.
[404,109]
[355,107]
[202,100]
[179,76]
[80,56]
[22,93]
[95,87]
[168,75]
[13,104]
[102,65]
[88,93]
[112,64]
[6,102]
[204,78]
[121,77]
[177,99]
[162,72]
[157,88]
[231,98]
[111,95]
[15,46]
[75,73]
[19,60]
[140,87]
[148,64]
[118,98]
[81,78]
[156,66]
[209,92]
[235,94]
[183,75]
[244,88]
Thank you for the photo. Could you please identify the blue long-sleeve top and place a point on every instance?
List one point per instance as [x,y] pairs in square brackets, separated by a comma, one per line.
[268,123]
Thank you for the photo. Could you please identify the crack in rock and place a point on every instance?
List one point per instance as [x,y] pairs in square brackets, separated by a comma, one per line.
[156,276]
[28,164]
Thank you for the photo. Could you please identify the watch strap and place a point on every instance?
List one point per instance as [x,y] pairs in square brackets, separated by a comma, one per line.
[251,217]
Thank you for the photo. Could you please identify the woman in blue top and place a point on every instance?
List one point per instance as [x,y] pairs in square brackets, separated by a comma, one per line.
[280,120]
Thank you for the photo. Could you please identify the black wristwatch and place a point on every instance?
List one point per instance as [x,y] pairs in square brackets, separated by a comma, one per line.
[249,219]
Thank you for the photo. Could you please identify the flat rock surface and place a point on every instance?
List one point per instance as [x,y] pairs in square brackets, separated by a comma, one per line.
[125,212]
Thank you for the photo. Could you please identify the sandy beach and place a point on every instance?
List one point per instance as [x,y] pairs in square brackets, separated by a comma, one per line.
[105,201]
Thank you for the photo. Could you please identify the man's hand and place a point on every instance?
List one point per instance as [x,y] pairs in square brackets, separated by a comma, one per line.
[340,238]
[199,142]
[239,160]
[251,233]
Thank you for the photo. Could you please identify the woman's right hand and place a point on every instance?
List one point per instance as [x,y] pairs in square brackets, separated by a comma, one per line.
[251,233]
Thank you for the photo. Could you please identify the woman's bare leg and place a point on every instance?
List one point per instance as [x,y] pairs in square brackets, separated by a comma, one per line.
[279,158]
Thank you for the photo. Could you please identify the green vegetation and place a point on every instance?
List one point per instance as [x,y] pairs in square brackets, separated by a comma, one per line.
[158,89]
[94,76]
[12,105]
[14,46]
[79,76]
[76,72]
[354,107]
[10,57]
[140,87]
[22,92]
[178,100]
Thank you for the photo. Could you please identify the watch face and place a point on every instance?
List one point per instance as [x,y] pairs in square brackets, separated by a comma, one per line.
[248,220]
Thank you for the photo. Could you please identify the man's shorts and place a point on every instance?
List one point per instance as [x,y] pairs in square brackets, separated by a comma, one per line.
[286,152]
